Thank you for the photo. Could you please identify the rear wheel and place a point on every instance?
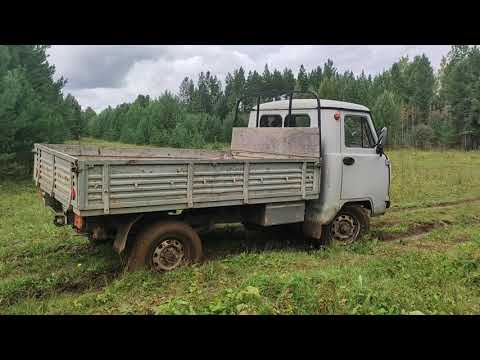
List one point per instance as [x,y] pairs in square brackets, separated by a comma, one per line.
[165,246]
[348,226]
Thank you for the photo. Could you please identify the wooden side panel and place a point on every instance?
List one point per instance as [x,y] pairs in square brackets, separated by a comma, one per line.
[290,142]
[92,152]
[54,175]
[120,187]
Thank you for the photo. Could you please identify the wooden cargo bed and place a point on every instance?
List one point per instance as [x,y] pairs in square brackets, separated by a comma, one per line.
[130,180]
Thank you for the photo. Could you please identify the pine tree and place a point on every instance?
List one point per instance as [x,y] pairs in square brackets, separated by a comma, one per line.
[386,112]
[302,79]
[267,85]
[89,119]
[289,80]
[278,85]
[74,118]
[328,89]
[32,108]
[421,82]
[186,92]
[315,78]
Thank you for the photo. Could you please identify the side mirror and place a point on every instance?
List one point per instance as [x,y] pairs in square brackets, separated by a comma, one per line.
[382,139]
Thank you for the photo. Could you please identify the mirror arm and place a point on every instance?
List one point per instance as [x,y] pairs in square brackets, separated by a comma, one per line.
[379,149]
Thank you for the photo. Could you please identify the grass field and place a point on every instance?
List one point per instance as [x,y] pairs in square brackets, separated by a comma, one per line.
[423,256]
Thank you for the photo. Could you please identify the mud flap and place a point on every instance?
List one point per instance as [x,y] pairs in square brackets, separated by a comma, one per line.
[312,229]
[122,233]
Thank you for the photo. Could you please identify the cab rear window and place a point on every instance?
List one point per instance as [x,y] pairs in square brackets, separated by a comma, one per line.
[271,121]
[302,120]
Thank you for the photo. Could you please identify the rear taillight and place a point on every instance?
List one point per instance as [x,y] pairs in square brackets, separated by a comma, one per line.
[78,222]
[73,194]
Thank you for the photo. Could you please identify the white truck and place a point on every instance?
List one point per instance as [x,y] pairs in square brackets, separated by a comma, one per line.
[318,163]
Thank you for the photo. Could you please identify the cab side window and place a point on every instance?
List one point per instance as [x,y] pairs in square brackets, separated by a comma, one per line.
[297,121]
[357,132]
[271,121]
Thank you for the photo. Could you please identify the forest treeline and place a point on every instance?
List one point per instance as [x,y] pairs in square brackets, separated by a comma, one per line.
[420,107]
[33,107]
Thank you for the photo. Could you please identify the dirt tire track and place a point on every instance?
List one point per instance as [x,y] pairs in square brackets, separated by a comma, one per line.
[94,281]
[438,205]
[418,231]
[415,230]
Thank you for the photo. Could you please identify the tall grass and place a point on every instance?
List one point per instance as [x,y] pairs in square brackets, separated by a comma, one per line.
[427,177]
[46,269]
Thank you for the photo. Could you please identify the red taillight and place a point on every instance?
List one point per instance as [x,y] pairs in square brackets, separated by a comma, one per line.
[73,194]
[337,116]
[78,222]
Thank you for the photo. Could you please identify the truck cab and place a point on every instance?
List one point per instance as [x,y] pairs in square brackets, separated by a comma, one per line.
[355,170]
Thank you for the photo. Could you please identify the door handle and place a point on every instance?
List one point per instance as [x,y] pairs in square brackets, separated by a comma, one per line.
[348,160]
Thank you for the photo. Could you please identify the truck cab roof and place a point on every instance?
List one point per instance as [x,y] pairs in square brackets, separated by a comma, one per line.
[311,104]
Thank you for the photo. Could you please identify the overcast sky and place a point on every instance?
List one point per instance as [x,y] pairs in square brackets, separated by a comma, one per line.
[99,76]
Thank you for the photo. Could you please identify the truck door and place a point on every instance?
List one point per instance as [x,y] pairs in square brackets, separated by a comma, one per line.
[365,174]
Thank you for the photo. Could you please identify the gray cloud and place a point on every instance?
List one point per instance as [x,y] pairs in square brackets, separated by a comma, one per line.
[98,66]
[109,75]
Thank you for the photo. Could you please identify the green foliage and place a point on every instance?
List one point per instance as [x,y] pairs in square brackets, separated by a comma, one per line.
[74,118]
[420,80]
[401,98]
[423,135]
[460,90]
[328,89]
[228,124]
[161,137]
[443,129]
[187,132]
[164,121]
[32,107]
[386,112]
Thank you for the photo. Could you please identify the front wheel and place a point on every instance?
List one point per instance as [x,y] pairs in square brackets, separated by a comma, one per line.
[165,246]
[348,226]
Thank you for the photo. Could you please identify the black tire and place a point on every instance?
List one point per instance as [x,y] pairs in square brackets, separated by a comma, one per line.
[165,246]
[348,226]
